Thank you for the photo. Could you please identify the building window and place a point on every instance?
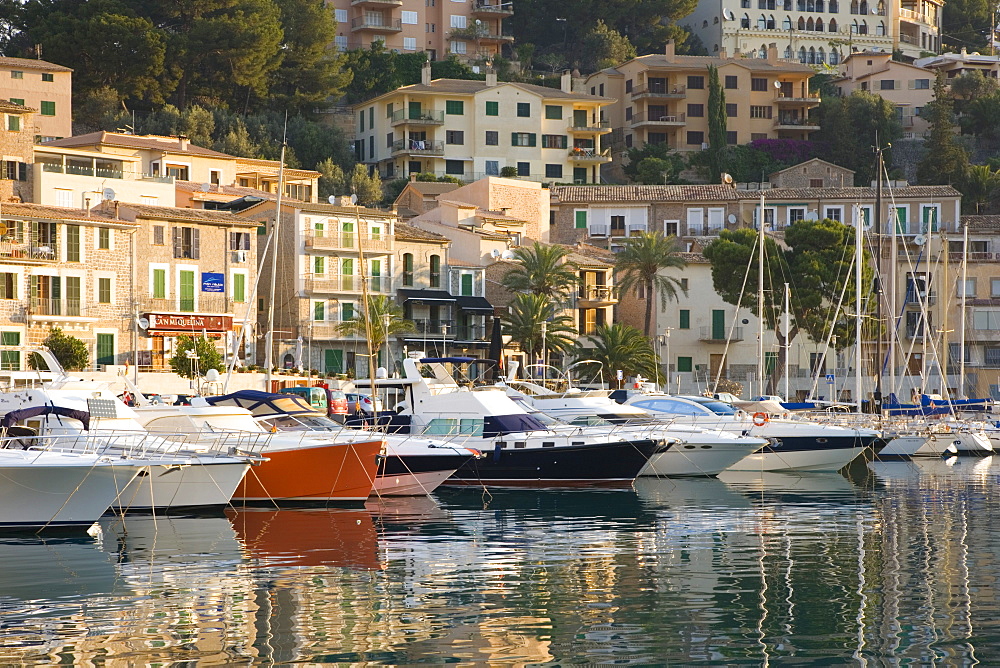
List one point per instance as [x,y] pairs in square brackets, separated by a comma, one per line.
[435,271]
[48,76]
[454,167]
[159,284]
[522,139]
[186,242]
[408,269]
[10,360]
[730,82]
[389,137]
[524,169]
[240,241]
[454,107]
[454,137]
[695,138]
[103,290]
[239,288]
[13,123]
[158,235]
[553,112]
[758,84]
[696,82]
[319,311]
[16,74]
[408,18]
[580,220]
[48,108]
[919,84]
[759,111]
[696,110]
[72,243]
[684,364]
[684,319]
[815,183]
[524,110]
[731,110]
[492,138]
[492,108]
[553,171]
[17,100]
[554,141]
[319,264]
[492,168]
[731,137]
[834,213]
[8,285]
[887,84]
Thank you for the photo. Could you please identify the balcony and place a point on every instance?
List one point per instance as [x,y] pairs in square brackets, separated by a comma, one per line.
[376,24]
[431,327]
[794,123]
[480,34]
[417,147]
[335,241]
[589,155]
[648,92]
[206,304]
[657,121]
[34,251]
[496,10]
[812,99]
[57,311]
[331,283]
[383,4]
[915,17]
[974,257]
[713,335]
[600,127]
[414,117]
[323,329]
[596,296]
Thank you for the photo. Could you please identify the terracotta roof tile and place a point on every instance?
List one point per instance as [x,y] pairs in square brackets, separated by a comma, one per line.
[155,142]
[33,64]
[645,193]
[56,213]
[404,231]
[471,87]
[984,223]
[208,216]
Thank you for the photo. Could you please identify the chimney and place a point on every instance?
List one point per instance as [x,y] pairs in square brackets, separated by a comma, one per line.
[772,52]
[723,54]
[343,200]
[116,209]
[668,50]
[183,141]
[425,74]
[413,177]
[566,82]
[491,78]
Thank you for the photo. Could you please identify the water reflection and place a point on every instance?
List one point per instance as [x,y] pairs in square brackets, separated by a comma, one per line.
[893,563]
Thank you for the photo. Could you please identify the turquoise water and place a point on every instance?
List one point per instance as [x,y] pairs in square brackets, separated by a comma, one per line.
[893,565]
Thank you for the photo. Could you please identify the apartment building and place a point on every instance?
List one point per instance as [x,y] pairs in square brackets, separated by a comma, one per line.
[16,142]
[418,197]
[663,99]
[44,87]
[908,87]
[471,129]
[80,178]
[956,64]
[818,31]
[176,158]
[470,29]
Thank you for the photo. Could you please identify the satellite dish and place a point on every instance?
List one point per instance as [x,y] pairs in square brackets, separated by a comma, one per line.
[507,255]
[478,22]
[354,198]
[205,187]
[108,193]
[777,84]
[727,178]
[332,199]
[495,253]
[3,229]
[920,240]
[212,375]
[874,11]
[143,323]
[732,219]
[729,15]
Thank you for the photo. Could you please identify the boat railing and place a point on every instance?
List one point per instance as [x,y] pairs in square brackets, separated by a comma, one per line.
[145,445]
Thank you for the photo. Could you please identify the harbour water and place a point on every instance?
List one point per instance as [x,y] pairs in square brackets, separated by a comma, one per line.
[897,563]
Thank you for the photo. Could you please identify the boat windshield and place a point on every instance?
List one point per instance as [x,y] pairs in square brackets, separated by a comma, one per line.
[673,407]
[301,423]
[590,421]
[716,406]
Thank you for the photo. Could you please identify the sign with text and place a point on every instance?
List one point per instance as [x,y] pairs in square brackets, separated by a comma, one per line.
[188,324]
[212,282]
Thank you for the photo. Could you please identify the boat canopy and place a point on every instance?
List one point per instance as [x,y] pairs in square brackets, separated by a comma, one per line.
[13,417]
[263,404]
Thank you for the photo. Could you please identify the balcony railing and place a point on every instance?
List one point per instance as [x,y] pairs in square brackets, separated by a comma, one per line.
[661,119]
[433,326]
[334,240]
[590,155]
[596,296]
[100,172]
[418,146]
[591,126]
[974,257]
[376,24]
[333,283]
[377,3]
[810,98]
[493,8]
[415,117]
[64,307]
[728,333]
[204,303]
[480,33]
[646,90]
[32,250]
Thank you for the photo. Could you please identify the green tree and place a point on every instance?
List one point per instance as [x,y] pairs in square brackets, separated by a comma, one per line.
[208,357]
[374,71]
[817,266]
[606,47]
[717,120]
[237,141]
[967,24]
[852,126]
[945,162]
[69,350]
[979,187]
[639,265]
[625,348]
[663,166]
[524,324]
[312,69]
[368,187]
[384,318]
[331,180]
[979,116]
[542,270]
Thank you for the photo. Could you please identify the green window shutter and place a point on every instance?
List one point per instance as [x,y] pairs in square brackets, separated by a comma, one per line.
[718,325]
[532,139]
[333,361]
[770,362]
[513,139]
[319,264]
[684,364]
[17,100]
[581,220]
[900,220]
[104,290]
[48,108]
[104,238]
[186,290]
[10,338]
[346,312]
[14,123]
[685,319]
[466,285]
[105,348]
[10,360]
[930,222]
[492,108]
[454,107]
[319,311]
[72,243]
[159,283]
[239,288]
[553,111]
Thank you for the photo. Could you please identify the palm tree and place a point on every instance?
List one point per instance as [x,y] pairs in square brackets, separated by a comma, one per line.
[639,264]
[543,270]
[524,325]
[623,347]
[981,184]
[385,319]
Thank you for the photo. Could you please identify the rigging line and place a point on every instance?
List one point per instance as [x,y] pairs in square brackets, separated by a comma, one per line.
[829,337]
[743,288]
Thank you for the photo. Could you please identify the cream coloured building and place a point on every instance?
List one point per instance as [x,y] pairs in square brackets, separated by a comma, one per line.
[663,99]
[471,129]
[470,29]
[43,86]
[80,178]
[908,87]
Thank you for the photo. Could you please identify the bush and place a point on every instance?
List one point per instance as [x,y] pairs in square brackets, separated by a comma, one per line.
[508,172]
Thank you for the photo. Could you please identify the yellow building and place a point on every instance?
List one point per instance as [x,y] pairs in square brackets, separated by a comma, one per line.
[663,99]
[44,87]
[908,87]
[471,129]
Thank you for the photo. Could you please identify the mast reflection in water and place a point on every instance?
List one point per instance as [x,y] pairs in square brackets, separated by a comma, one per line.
[896,563]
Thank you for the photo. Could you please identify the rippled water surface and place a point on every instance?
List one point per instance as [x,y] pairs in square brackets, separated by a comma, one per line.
[894,564]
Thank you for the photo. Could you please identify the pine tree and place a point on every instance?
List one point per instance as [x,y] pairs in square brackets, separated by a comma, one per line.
[716,124]
[945,162]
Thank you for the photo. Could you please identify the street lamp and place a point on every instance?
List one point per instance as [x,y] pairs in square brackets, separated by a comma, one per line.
[666,342]
[545,348]
[444,340]
[386,318]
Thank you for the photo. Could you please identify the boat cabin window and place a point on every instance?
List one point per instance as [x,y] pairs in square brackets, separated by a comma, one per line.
[301,423]
[717,407]
[590,421]
[453,426]
[671,406]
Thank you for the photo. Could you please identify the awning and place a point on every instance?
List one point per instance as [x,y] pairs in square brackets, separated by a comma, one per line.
[421,296]
[474,304]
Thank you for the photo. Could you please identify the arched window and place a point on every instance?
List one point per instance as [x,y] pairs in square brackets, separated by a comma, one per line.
[810,5]
[762,23]
[408,269]
[863,28]
[812,55]
[834,6]
[854,6]
[820,56]
[881,8]
[787,24]
[810,25]
[834,57]
[802,23]
[880,29]
[762,54]
[833,25]
[788,53]
[745,21]
[802,54]
[854,27]
[863,8]
[819,25]
[770,22]
[819,5]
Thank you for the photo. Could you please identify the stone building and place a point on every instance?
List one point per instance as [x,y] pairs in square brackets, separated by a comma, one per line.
[419,197]
[17,145]
[43,86]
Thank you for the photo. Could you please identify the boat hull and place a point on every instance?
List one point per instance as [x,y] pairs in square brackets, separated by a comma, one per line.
[54,495]
[331,472]
[696,459]
[413,475]
[199,484]
[962,443]
[600,464]
[805,453]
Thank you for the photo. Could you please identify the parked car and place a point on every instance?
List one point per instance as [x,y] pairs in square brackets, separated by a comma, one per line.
[360,403]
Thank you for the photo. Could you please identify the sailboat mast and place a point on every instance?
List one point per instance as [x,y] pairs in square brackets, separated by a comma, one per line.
[787,325]
[877,226]
[858,218]
[961,317]
[269,335]
[760,293]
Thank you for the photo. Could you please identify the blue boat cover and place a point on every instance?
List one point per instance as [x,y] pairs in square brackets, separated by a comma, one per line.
[265,403]
[13,417]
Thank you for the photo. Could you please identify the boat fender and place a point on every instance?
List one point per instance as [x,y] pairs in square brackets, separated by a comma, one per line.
[760,419]
[496,452]
[947,428]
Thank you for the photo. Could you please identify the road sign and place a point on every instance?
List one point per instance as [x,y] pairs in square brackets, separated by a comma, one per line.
[830,378]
